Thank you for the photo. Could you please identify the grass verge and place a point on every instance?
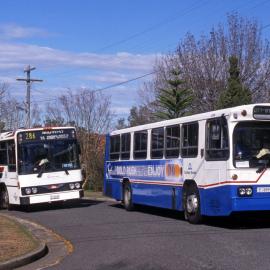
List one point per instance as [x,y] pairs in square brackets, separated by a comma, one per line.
[15,240]
[93,194]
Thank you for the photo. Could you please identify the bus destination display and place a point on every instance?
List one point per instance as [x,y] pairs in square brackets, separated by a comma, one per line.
[261,112]
[46,135]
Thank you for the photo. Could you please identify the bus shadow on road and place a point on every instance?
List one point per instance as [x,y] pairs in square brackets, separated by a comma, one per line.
[237,221]
[81,203]
[166,213]
[241,221]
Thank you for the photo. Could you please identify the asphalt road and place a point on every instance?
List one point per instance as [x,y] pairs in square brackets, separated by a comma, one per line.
[106,237]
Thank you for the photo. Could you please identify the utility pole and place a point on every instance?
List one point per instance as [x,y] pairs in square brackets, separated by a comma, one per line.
[28,81]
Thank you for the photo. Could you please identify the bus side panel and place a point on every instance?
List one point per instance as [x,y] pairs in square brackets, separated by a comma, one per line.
[106,186]
[14,194]
[217,201]
[157,195]
[113,189]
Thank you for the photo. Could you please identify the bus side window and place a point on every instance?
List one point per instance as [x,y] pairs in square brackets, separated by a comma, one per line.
[3,153]
[140,144]
[217,142]
[172,141]
[157,142]
[11,156]
[190,140]
[115,147]
[125,146]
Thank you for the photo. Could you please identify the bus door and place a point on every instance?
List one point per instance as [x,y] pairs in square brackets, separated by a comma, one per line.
[8,171]
[215,161]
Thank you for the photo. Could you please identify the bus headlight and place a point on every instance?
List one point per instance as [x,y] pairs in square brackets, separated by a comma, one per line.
[249,191]
[34,190]
[245,191]
[71,186]
[27,191]
[77,185]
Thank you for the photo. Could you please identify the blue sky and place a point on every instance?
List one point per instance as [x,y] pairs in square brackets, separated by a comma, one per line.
[93,44]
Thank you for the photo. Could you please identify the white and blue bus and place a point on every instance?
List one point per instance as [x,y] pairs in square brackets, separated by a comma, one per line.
[209,164]
[39,165]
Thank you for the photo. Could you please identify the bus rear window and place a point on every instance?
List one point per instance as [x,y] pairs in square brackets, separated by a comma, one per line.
[125,146]
[140,144]
[172,142]
[157,143]
[115,147]
[190,140]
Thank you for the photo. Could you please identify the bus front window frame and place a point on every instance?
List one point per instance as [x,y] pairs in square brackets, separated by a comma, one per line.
[247,144]
[47,162]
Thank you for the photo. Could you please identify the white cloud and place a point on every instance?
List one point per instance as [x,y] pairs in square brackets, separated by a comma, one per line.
[14,31]
[18,55]
[107,77]
[65,69]
[121,110]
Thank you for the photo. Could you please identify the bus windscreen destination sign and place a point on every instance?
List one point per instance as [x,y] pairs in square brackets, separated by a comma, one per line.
[46,135]
[261,112]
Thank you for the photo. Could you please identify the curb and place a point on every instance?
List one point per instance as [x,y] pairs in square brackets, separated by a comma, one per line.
[32,256]
[52,249]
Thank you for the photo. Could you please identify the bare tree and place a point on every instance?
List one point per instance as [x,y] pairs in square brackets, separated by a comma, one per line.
[12,111]
[90,112]
[204,62]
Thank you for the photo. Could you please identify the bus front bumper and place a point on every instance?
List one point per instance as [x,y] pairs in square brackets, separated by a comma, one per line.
[51,197]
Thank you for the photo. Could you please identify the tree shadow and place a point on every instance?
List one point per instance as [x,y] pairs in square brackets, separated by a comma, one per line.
[71,204]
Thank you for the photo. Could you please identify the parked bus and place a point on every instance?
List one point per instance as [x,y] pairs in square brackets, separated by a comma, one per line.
[209,164]
[39,165]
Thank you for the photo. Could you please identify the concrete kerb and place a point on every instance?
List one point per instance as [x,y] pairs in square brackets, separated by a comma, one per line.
[27,258]
[54,246]
[30,257]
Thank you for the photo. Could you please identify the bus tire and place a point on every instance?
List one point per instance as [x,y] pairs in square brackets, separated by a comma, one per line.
[4,200]
[128,203]
[192,204]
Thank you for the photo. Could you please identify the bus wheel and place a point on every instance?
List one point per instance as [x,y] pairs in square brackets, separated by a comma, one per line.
[128,204]
[192,205]
[4,201]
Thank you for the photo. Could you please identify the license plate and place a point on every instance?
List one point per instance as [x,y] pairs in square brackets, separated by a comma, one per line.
[55,197]
[263,189]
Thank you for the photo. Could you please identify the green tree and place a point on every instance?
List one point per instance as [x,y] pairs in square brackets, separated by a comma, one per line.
[121,123]
[174,100]
[140,115]
[235,94]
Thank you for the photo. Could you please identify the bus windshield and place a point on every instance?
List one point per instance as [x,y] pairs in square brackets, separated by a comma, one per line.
[50,156]
[252,144]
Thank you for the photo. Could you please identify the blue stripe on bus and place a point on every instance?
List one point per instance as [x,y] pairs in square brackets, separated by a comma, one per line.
[216,201]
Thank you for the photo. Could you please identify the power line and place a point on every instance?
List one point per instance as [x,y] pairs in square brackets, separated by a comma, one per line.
[155,26]
[106,87]
[178,15]
[266,26]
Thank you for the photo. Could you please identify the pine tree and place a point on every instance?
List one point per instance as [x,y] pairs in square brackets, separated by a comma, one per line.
[174,100]
[236,94]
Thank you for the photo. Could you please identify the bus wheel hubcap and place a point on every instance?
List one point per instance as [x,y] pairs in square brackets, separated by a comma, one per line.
[127,195]
[192,204]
